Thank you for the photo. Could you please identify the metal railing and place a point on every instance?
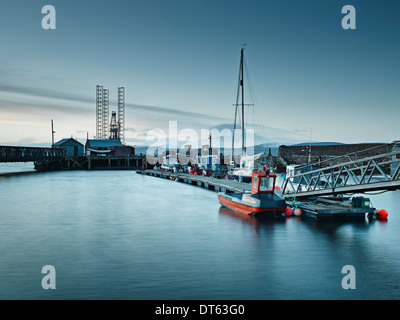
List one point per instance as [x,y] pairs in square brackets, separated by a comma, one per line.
[367,174]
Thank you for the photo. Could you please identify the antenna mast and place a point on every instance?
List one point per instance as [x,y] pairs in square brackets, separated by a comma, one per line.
[52,134]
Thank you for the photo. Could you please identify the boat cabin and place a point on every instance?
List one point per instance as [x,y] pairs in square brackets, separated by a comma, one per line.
[262,182]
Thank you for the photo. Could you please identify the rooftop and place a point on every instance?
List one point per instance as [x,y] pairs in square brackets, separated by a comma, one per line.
[103,143]
[64,141]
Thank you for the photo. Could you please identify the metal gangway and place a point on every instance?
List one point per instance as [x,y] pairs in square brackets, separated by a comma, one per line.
[356,176]
[28,154]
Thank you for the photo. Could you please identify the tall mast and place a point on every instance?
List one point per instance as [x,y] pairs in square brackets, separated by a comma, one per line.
[242,84]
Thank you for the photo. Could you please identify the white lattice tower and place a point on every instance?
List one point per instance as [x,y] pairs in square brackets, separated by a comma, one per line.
[121,114]
[99,112]
[105,114]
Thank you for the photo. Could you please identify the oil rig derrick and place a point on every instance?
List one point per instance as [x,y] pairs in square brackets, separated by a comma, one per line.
[116,127]
[114,134]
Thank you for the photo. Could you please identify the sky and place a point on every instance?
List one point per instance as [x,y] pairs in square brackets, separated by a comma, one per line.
[307,76]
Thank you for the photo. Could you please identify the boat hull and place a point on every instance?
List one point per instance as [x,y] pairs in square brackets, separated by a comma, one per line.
[253,205]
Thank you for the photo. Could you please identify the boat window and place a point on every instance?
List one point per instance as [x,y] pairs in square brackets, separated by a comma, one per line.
[255,182]
[266,184]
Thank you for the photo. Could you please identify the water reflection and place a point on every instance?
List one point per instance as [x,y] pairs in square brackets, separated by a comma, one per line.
[260,220]
[152,239]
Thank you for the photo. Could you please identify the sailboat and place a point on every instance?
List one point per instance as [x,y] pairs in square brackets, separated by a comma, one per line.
[263,198]
[243,172]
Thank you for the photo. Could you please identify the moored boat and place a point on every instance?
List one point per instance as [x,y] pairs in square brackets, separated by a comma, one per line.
[262,200]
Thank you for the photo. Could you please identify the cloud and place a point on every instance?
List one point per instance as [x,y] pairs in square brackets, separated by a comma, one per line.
[44,93]
[29,99]
[165,114]
[20,122]
[34,102]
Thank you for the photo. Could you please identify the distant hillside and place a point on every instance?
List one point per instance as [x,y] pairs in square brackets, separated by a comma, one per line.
[257,149]
[307,143]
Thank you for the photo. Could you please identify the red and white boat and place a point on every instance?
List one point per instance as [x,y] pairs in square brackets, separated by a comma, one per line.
[262,200]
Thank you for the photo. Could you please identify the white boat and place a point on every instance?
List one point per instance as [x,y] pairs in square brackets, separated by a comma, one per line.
[247,165]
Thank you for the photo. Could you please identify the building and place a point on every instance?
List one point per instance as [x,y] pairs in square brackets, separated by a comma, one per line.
[101,147]
[73,148]
[112,147]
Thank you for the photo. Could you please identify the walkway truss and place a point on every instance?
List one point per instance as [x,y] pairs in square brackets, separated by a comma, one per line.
[28,154]
[356,176]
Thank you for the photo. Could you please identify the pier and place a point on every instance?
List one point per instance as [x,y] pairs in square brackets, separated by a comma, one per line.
[56,159]
[314,207]
[209,183]
[322,208]
[108,162]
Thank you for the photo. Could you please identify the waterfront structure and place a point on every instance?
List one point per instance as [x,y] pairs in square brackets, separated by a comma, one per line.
[101,147]
[111,154]
[72,147]
[28,154]
[117,127]
[395,166]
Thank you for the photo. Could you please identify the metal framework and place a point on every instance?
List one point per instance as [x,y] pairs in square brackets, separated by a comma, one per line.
[366,174]
[105,114]
[102,114]
[121,114]
[99,111]
[113,126]
[27,154]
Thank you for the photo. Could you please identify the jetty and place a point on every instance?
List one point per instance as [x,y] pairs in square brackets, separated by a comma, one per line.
[209,183]
[314,207]
[320,207]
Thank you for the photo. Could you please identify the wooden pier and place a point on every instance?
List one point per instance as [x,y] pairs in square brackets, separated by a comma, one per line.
[209,183]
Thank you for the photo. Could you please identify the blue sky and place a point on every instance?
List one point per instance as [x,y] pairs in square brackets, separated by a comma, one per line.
[179,61]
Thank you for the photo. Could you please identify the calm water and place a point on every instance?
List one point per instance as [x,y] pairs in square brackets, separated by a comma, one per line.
[120,235]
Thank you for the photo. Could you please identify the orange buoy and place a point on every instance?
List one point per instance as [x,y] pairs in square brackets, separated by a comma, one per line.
[297,212]
[288,211]
[382,214]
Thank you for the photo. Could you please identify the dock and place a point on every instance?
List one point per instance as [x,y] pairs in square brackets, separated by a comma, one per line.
[324,208]
[319,207]
[209,183]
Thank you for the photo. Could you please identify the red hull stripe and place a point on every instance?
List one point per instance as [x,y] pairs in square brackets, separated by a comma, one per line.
[244,208]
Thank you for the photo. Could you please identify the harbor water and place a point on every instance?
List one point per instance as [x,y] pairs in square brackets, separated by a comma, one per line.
[121,235]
